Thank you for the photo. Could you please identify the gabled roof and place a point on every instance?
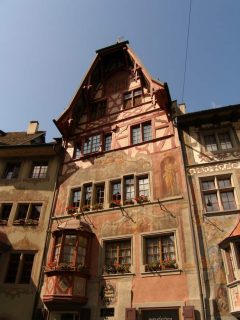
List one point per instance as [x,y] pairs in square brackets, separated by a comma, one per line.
[101,68]
[21,138]
[235,233]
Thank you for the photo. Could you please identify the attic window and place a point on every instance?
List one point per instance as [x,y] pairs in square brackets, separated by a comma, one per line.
[132,98]
[98,110]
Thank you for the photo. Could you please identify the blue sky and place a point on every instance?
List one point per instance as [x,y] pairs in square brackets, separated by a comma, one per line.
[48,45]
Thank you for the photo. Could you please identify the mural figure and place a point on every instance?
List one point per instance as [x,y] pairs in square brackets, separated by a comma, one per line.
[169,169]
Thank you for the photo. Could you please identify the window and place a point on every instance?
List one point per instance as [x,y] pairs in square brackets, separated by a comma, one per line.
[75,198]
[87,196]
[129,189]
[77,152]
[28,213]
[107,142]
[115,193]
[159,252]
[69,250]
[99,196]
[11,170]
[218,193]
[19,268]
[218,141]
[98,110]
[117,256]
[132,98]
[141,132]
[5,211]
[92,144]
[39,170]
[143,186]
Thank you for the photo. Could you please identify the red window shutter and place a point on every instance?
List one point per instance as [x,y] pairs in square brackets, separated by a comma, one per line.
[85,314]
[131,314]
[188,313]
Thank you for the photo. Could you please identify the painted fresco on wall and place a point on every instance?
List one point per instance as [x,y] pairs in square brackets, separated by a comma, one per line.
[216,264]
[222,300]
[170,179]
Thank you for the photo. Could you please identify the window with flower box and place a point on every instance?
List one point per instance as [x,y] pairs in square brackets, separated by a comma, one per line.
[5,210]
[70,251]
[99,196]
[141,132]
[87,197]
[159,252]
[75,199]
[28,213]
[19,267]
[218,193]
[116,192]
[117,256]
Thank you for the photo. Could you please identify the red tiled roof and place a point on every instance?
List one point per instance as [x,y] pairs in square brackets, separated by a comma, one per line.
[21,138]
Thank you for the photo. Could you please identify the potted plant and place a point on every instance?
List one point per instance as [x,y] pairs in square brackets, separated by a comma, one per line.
[86,207]
[128,201]
[71,209]
[115,203]
[98,206]
[109,269]
[169,264]
[142,199]
[123,268]
[153,266]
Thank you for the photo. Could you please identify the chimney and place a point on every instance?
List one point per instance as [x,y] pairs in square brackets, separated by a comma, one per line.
[182,107]
[32,127]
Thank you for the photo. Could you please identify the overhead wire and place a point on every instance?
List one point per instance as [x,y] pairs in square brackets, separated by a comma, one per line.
[186,55]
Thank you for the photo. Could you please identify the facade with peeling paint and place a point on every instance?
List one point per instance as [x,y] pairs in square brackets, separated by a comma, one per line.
[121,244]
[210,141]
[28,171]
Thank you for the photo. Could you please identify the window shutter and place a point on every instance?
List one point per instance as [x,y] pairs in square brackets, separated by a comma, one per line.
[188,313]
[85,314]
[131,314]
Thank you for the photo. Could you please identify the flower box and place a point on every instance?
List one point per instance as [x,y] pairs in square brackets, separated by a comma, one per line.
[117,268]
[71,210]
[115,203]
[86,208]
[98,206]
[3,222]
[153,266]
[128,201]
[142,199]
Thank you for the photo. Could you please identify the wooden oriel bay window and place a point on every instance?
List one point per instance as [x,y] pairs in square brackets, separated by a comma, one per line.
[117,256]
[70,251]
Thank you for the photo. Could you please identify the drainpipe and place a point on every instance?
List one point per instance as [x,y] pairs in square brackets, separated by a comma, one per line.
[195,247]
[48,236]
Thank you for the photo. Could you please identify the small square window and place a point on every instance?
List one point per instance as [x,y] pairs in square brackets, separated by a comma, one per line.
[92,144]
[141,132]
[132,98]
[11,170]
[28,213]
[39,170]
